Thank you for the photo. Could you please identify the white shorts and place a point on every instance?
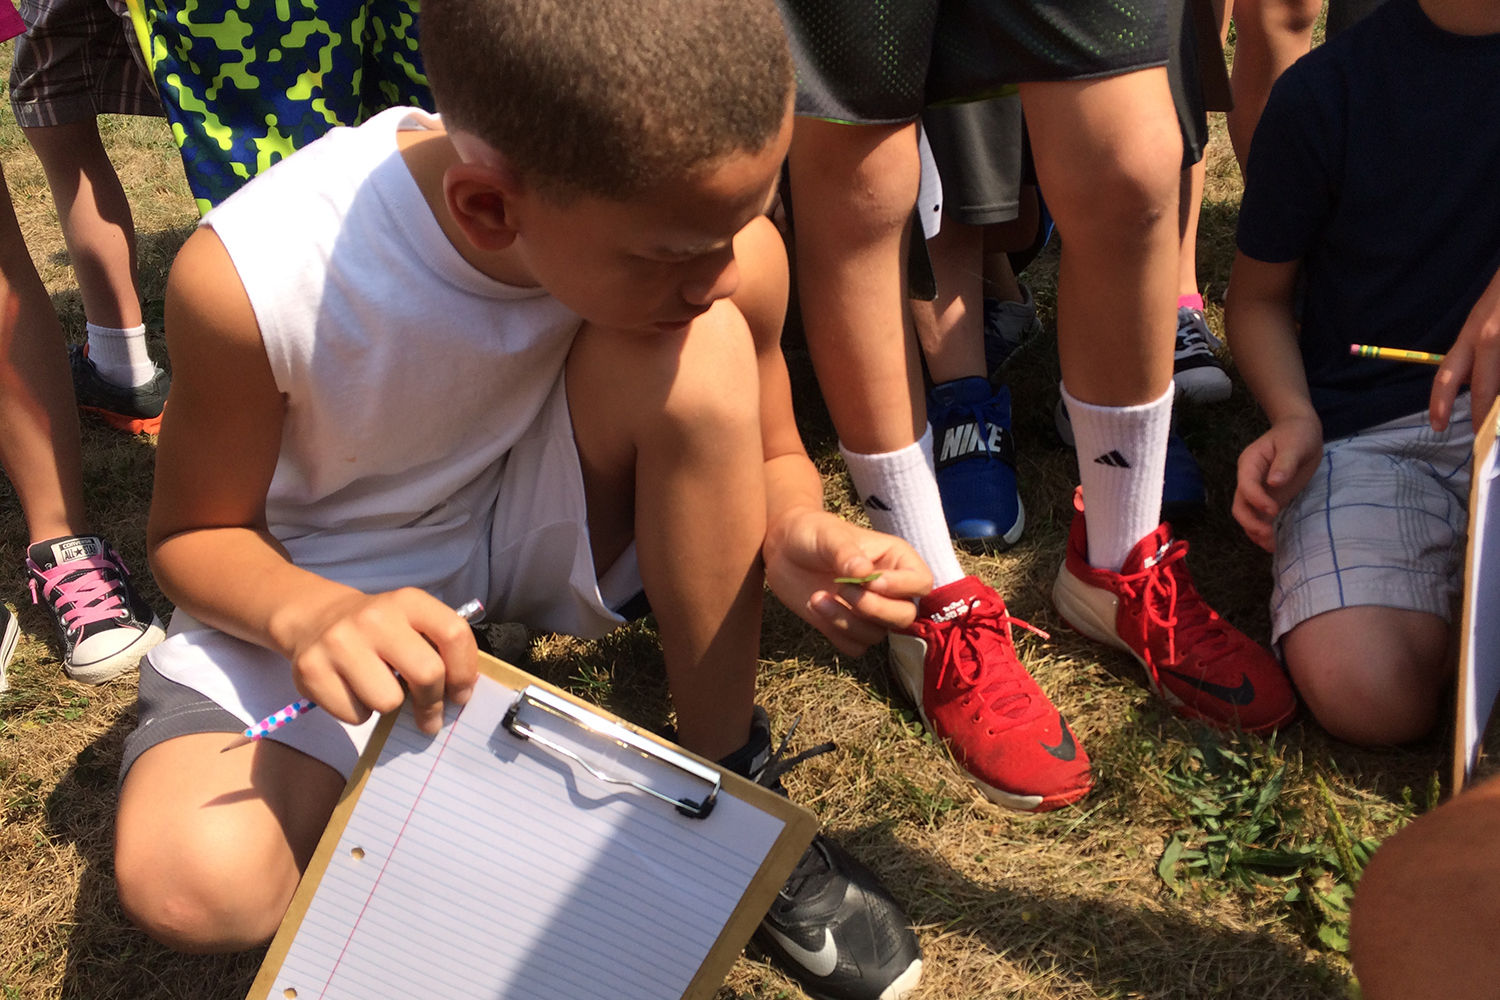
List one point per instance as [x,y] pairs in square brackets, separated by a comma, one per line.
[1382,522]
[540,572]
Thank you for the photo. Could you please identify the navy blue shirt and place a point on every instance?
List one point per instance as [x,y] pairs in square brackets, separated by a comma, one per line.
[1377,163]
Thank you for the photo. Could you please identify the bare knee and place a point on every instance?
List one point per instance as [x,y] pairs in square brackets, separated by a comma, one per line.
[856,183]
[1370,675]
[202,893]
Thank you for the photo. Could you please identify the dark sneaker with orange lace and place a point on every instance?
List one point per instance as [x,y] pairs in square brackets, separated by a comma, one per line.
[833,927]
[136,409]
[104,624]
[958,664]
[1202,666]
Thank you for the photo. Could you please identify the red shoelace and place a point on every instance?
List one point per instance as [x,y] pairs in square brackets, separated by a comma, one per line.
[1002,691]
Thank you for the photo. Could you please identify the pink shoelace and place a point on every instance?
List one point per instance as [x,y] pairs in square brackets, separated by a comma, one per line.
[84,591]
[1003,692]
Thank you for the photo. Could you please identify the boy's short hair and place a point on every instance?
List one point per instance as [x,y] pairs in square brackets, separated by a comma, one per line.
[609,97]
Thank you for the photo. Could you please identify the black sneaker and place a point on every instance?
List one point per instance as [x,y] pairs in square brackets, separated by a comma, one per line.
[104,624]
[137,409]
[10,631]
[1196,370]
[833,927]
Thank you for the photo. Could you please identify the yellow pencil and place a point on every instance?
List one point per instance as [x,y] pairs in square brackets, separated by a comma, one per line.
[1394,354]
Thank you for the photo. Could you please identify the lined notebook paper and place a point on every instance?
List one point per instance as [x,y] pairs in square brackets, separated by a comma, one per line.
[479,866]
[1479,645]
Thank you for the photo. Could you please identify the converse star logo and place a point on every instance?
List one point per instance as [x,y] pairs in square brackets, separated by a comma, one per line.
[82,547]
[957,609]
[1113,459]
[873,502]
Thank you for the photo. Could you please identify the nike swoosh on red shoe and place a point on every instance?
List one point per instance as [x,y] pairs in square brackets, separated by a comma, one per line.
[1067,749]
[1242,695]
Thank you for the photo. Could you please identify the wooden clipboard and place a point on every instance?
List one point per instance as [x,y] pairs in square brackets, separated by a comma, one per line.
[1476,667]
[797,829]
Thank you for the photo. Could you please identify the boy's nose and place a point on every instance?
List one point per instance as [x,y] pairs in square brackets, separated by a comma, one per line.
[717,282]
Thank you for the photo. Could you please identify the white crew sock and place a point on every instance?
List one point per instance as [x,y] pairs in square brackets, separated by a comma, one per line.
[900,495]
[120,355]
[1122,457]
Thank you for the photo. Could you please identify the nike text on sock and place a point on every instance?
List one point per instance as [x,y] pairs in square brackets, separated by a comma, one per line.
[120,356]
[900,497]
[1122,457]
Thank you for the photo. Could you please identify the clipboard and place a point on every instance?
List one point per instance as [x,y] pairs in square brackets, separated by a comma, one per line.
[535,847]
[1479,637]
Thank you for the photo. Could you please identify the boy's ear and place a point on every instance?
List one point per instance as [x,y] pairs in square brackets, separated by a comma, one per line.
[480,200]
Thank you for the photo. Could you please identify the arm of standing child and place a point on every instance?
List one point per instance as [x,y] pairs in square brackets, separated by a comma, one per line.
[807,546]
[1475,359]
[211,550]
[1263,338]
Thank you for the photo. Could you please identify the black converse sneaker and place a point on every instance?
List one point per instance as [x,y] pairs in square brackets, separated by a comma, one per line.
[833,927]
[1196,370]
[104,625]
[10,631]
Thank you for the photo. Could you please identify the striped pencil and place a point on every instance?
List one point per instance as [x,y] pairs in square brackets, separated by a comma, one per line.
[1394,354]
[470,612]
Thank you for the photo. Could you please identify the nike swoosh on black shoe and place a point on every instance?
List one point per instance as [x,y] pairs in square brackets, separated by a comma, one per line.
[1067,749]
[1242,695]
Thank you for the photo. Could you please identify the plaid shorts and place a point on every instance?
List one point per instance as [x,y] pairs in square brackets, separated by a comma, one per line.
[1382,522]
[78,59]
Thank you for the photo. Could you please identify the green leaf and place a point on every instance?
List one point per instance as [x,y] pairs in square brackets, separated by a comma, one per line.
[1333,937]
[1167,868]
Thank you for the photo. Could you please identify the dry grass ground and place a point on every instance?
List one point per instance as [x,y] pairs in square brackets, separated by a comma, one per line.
[1068,905]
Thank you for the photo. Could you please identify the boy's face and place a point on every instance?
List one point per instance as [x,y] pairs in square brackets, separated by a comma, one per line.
[654,263]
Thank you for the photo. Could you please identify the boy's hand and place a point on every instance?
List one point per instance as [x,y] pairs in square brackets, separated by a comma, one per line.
[808,549]
[1475,359]
[344,656]
[1273,469]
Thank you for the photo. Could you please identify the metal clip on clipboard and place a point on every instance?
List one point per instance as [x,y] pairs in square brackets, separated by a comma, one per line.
[550,702]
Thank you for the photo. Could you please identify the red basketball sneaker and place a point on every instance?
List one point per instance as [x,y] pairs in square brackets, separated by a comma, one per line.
[1201,665]
[957,663]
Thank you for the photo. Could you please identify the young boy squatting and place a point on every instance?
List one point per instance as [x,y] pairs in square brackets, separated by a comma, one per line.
[1373,169]
[401,410]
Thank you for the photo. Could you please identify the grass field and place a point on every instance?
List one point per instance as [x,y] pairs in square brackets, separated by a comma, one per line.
[1200,866]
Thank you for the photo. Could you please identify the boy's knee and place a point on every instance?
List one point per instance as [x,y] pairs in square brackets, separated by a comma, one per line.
[716,386]
[201,896]
[858,181]
[1130,183]
[1366,683]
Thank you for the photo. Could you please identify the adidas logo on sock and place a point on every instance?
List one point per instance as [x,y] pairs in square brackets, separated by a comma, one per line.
[873,502]
[1113,459]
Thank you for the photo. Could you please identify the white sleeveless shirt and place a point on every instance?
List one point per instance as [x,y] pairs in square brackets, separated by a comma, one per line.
[408,376]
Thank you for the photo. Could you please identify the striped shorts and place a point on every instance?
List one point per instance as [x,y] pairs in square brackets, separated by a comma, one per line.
[78,59]
[1382,522]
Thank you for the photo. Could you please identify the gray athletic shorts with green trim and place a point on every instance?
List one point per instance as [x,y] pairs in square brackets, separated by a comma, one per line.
[881,61]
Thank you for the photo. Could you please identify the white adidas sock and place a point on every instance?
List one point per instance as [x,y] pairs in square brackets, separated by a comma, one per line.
[1122,457]
[120,355]
[900,495]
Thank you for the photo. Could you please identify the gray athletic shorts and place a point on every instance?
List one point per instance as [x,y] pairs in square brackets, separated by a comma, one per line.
[978,150]
[1382,522]
[166,710]
[78,59]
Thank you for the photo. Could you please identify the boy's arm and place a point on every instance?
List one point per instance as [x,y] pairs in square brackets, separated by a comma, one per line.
[806,546]
[211,550]
[1475,359]
[1263,337]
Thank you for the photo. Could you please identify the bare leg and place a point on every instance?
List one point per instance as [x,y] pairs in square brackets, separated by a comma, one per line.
[1270,35]
[39,436]
[1189,206]
[96,220]
[1371,675]
[1424,918]
[853,190]
[950,329]
[209,846]
[668,432]
[1113,190]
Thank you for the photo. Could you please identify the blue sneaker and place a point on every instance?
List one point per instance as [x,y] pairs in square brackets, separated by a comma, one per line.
[975,458]
[1183,499]
[1007,325]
